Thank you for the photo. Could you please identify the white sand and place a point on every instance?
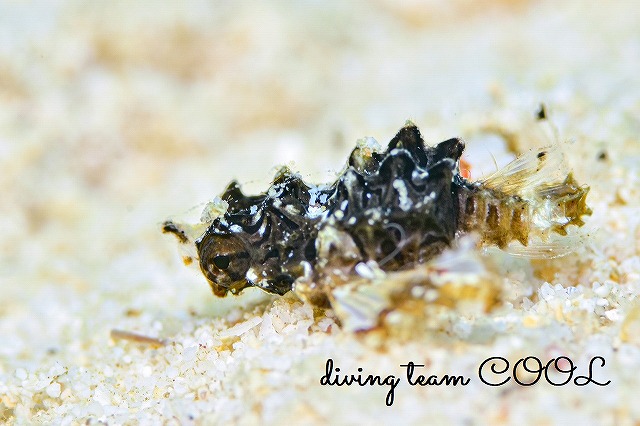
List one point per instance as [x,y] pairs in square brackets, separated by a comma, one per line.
[113,118]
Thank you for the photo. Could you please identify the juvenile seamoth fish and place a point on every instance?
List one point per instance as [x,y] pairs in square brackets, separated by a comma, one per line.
[398,207]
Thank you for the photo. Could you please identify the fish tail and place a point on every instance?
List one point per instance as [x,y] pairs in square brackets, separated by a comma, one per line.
[527,199]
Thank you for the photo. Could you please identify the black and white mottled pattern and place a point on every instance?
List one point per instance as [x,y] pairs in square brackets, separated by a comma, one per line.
[395,207]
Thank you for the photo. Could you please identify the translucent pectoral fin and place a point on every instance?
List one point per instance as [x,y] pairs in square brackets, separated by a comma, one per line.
[458,279]
[360,305]
[527,172]
[540,249]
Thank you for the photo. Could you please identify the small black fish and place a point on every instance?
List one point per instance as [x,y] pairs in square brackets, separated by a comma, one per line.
[398,207]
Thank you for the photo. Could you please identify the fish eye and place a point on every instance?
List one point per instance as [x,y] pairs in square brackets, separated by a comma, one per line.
[224,259]
[221,262]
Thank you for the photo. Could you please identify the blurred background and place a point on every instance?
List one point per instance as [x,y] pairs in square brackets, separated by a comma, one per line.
[116,115]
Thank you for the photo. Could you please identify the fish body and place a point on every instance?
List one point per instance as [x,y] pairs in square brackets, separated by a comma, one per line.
[397,207]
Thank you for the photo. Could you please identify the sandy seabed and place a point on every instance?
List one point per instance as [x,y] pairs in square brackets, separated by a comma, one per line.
[115,117]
